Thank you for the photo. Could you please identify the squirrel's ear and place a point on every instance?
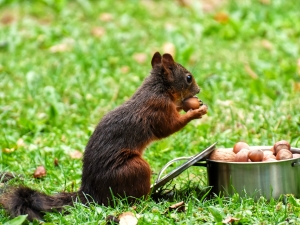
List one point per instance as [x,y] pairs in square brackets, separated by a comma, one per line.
[156,59]
[167,61]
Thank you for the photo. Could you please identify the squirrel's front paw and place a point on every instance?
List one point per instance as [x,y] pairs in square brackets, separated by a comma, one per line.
[198,113]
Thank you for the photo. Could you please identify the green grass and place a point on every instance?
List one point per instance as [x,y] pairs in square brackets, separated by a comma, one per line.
[52,99]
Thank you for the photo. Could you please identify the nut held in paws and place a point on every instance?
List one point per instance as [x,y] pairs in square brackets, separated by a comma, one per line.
[190,103]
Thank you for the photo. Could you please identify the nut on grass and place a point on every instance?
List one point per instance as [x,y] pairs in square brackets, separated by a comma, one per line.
[40,172]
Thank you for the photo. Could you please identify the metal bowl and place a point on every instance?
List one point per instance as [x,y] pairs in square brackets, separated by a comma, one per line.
[268,179]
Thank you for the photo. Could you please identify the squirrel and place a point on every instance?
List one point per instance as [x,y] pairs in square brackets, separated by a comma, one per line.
[112,160]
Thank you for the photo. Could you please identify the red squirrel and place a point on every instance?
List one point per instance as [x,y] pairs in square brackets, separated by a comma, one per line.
[112,161]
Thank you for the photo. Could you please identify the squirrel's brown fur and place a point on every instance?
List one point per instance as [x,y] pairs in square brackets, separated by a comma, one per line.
[112,162]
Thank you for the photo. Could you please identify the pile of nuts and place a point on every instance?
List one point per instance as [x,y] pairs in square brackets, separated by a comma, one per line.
[241,152]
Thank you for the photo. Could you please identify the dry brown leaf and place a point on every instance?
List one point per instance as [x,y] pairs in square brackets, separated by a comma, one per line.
[56,162]
[140,57]
[125,69]
[265,2]
[98,31]
[221,17]
[230,220]
[250,72]
[106,17]
[63,47]
[76,154]
[267,44]
[169,48]
[63,138]
[179,207]
[8,150]
[185,3]
[7,19]
[128,218]
[211,5]
[39,172]
[297,86]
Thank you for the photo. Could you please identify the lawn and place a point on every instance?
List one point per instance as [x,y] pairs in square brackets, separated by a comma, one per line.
[64,64]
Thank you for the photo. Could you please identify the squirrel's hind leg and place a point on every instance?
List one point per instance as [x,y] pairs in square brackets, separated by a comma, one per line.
[132,179]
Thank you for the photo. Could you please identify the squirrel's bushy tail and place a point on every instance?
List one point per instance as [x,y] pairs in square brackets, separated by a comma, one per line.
[24,200]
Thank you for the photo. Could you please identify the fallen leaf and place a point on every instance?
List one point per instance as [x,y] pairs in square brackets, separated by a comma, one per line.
[297,86]
[76,154]
[267,44]
[169,27]
[185,3]
[98,31]
[63,138]
[56,162]
[8,150]
[110,219]
[179,207]
[63,47]
[106,17]
[169,48]
[39,172]
[127,218]
[140,57]
[211,5]
[20,142]
[230,220]
[250,72]
[7,19]
[265,2]
[221,17]
[125,69]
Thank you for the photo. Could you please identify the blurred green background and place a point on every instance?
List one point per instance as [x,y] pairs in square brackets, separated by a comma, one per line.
[64,64]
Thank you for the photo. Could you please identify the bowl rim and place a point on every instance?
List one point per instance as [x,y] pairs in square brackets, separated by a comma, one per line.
[264,148]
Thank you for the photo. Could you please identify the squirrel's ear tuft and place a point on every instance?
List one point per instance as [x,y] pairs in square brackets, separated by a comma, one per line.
[156,59]
[167,61]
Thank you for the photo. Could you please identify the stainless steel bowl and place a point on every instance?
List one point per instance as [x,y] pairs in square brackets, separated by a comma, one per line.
[268,179]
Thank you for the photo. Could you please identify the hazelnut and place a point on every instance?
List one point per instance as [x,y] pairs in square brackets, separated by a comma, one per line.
[242,155]
[240,145]
[225,155]
[268,155]
[296,155]
[270,159]
[281,145]
[273,150]
[256,155]
[39,172]
[284,154]
[190,103]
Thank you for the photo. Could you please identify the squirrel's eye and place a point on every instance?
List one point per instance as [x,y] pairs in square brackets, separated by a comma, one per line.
[189,78]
